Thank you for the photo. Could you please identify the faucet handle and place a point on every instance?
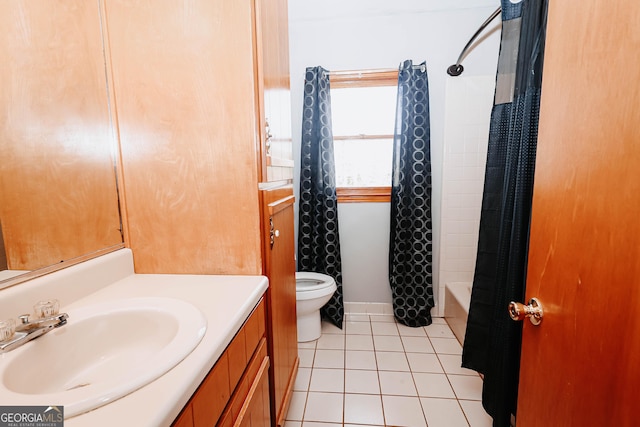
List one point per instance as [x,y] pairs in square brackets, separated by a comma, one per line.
[7,329]
[46,308]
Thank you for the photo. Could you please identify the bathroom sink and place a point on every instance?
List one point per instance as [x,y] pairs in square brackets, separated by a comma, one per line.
[105,351]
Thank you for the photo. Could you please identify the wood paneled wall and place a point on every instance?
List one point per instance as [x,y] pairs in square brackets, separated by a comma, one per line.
[183,76]
[58,196]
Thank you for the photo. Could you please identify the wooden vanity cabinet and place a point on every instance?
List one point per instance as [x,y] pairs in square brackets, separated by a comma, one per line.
[236,390]
[185,419]
[281,296]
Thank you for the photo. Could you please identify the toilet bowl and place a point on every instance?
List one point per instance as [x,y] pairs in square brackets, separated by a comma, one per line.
[313,290]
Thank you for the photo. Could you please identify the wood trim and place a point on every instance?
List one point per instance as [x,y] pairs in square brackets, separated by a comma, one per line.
[363,78]
[115,126]
[7,283]
[281,204]
[288,394]
[363,194]
[3,253]
[259,88]
[273,194]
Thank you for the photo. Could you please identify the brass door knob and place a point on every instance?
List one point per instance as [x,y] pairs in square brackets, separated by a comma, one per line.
[533,311]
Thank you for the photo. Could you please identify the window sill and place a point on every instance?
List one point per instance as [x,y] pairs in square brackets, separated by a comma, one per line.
[363,194]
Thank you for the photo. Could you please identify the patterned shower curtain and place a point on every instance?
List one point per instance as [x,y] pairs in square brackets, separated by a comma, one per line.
[410,245]
[492,339]
[318,238]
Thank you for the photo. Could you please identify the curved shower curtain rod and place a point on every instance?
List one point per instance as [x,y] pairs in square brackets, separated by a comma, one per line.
[457,68]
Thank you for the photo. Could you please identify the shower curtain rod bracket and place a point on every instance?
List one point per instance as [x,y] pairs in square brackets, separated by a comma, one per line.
[455,70]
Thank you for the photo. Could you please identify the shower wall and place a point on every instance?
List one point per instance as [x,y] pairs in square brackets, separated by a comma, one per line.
[373,34]
[466,134]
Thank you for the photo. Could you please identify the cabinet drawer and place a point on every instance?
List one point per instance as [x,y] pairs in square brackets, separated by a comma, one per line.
[256,411]
[229,381]
[237,405]
[213,394]
[245,343]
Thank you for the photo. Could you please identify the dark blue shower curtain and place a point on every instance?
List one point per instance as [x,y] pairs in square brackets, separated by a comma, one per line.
[410,243]
[318,238]
[492,340]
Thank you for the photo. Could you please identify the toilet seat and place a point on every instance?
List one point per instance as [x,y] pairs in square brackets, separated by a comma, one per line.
[313,285]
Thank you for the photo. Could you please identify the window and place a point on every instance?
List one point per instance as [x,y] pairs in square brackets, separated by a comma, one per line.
[363,107]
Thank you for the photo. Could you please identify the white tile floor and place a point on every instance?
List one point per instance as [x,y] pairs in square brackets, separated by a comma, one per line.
[376,372]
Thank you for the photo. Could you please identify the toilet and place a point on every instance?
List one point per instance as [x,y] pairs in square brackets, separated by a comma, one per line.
[313,290]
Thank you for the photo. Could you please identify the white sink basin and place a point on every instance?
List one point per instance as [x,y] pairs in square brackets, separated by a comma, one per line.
[105,351]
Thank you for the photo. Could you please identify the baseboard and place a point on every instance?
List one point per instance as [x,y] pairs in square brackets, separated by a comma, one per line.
[377,308]
[372,308]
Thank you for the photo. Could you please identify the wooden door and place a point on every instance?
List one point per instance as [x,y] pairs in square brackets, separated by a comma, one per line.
[581,366]
[273,89]
[281,297]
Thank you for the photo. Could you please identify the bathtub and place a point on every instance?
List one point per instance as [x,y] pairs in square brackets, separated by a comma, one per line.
[456,307]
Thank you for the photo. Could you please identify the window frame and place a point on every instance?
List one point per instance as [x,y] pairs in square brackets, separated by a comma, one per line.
[356,79]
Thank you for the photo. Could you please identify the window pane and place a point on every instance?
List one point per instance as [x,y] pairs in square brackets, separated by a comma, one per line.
[363,110]
[363,162]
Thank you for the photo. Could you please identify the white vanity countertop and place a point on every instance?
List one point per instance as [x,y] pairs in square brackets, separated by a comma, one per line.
[226,301]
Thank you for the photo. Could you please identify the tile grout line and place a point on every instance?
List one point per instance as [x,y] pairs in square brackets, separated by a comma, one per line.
[344,372]
[464,414]
[375,357]
[413,378]
[306,397]
[458,399]
[371,334]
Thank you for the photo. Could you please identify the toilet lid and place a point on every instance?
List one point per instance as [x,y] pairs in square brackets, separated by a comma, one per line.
[306,281]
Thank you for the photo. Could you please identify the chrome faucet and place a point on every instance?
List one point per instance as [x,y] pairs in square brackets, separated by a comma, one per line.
[46,319]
